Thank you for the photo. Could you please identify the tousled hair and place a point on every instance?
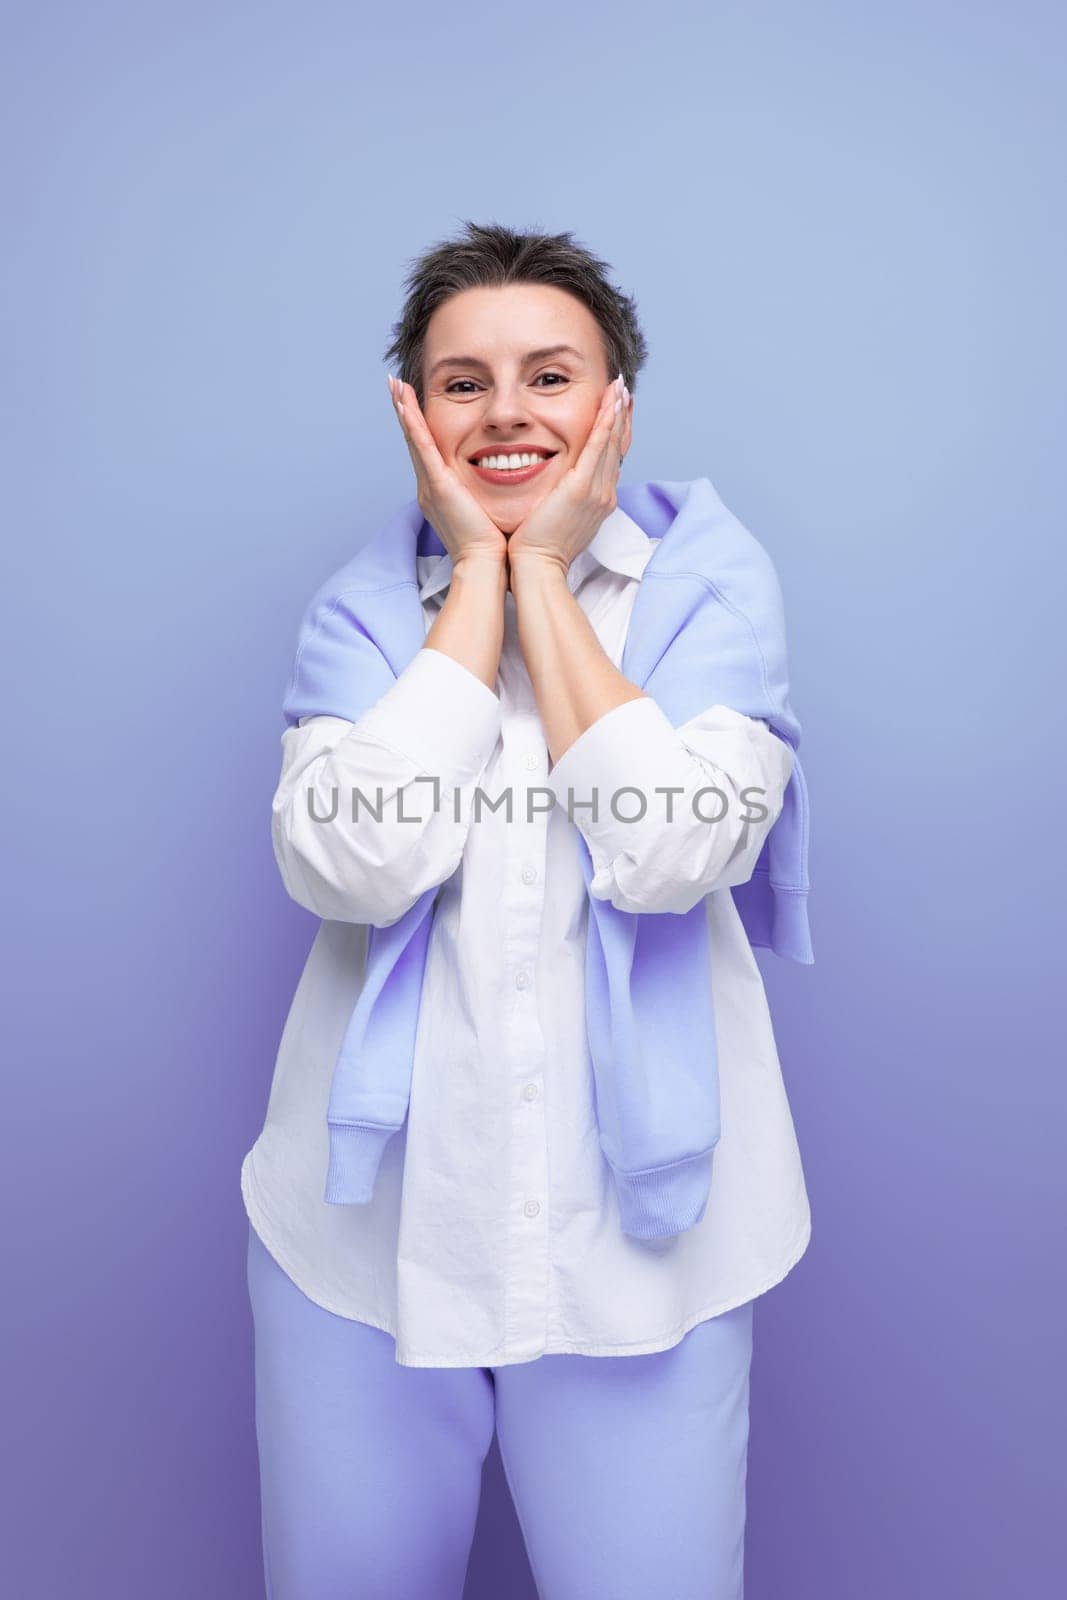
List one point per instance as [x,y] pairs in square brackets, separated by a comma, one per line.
[490,255]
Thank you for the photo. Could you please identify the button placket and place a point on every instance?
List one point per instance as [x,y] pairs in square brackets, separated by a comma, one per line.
[523,907]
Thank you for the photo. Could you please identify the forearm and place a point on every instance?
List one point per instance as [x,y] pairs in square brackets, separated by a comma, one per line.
[359,830]
[574,680]
[470,625]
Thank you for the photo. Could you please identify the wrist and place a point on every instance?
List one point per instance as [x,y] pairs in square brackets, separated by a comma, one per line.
[532,569]
[481,567]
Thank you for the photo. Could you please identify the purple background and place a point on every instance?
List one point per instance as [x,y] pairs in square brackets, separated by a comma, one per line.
[842,229]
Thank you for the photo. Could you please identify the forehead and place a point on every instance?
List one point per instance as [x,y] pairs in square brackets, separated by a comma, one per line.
[503,323]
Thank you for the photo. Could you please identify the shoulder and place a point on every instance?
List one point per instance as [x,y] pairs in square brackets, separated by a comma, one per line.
[707,547]
[383,566]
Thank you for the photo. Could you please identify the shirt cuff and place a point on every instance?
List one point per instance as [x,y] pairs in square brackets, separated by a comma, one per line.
[440,715]
[634,746]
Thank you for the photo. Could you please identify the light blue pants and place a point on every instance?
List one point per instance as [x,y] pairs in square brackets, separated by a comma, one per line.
[627,1472]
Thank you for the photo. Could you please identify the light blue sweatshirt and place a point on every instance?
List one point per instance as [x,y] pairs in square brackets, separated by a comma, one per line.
[707,628]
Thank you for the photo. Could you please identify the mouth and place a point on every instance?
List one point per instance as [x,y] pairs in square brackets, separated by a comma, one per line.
[528,463]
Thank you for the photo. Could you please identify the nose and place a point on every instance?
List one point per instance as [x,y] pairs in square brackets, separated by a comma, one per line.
[508,408]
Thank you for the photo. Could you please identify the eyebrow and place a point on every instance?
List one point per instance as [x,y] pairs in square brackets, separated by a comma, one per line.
[531,355]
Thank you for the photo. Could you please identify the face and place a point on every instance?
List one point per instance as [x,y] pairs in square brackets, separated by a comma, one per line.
[490,387]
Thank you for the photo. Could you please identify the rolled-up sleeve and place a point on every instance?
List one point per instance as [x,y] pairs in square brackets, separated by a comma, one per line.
[703,798]
[368,856]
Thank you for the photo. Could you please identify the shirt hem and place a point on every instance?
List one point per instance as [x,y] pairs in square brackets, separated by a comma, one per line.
[260,1218]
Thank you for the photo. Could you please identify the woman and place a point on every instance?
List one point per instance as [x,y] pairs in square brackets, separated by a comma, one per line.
[528,1158]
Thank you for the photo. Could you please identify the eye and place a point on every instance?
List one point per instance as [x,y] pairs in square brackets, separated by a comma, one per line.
[454,386]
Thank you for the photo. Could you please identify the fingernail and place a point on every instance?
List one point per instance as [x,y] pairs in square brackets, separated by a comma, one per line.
[618,404]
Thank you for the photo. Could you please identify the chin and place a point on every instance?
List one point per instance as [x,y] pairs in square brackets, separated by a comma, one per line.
[507,519]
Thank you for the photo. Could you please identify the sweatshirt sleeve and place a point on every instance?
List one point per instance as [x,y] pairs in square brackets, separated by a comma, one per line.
[728,773]
[418,747]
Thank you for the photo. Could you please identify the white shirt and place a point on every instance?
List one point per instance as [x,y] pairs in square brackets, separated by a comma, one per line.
[493,1235]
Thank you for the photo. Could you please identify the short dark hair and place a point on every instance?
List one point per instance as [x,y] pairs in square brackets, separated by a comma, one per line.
[490,255]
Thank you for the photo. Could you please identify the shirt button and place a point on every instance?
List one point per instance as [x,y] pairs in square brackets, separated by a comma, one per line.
[530,1092]
[521,980]
[531,761]
[529,874]
[532,1207]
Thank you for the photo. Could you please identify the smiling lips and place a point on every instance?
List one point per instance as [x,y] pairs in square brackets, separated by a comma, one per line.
[516,474]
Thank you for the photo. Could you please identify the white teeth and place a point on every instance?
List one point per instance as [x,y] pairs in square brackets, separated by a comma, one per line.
[506,463]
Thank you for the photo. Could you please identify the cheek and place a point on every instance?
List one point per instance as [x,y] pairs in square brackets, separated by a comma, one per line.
[576,423]
[444,426]
[443,438]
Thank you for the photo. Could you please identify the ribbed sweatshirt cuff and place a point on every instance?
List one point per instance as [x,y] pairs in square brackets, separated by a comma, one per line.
[356,1150]
[775,916]
[664,1200]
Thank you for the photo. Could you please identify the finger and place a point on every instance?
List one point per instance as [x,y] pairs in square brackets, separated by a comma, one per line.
[619,438]
[396,388]
[606,470]
[618,433]
[625,413]
[421,443]
[613,455]
[592,455]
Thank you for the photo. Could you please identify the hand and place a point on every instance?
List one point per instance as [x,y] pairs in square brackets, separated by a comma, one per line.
[467,532]
[563,523]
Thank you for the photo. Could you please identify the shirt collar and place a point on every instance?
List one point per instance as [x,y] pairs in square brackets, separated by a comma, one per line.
[620,544]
